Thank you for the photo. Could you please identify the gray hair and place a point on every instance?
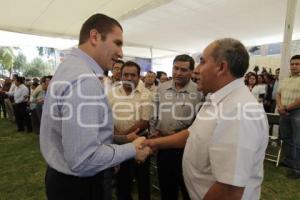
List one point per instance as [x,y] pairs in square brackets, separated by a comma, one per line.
[234,52]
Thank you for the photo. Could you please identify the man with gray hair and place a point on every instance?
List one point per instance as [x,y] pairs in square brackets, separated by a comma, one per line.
[225,145]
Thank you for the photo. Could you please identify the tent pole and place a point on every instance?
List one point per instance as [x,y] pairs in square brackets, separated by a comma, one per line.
[287,40]
[151,56]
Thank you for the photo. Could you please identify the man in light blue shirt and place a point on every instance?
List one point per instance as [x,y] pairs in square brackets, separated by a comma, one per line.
[77,126]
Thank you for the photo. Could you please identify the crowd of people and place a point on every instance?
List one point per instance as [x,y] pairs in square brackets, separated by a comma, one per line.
[264,87]
[206,124]
[22,101]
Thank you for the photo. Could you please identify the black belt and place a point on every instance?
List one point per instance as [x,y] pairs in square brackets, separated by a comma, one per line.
[71,177]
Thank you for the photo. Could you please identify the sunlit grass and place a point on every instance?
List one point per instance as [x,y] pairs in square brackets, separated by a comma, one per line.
[22,170]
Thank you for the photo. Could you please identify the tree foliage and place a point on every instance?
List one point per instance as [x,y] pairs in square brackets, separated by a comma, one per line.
[20,63]
[12,59]
[37,68]
[7,58]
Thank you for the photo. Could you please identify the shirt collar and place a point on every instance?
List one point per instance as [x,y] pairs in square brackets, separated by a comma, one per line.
[295,76]
[138,89]
[96,68]
[20,85]
[224,91]
[186,88]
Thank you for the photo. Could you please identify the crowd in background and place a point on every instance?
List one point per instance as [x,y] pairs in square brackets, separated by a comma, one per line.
[91,125]
[22,101]
[26,110]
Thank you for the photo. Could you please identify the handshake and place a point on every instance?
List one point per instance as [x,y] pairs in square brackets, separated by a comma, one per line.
[144,147]
[142,151]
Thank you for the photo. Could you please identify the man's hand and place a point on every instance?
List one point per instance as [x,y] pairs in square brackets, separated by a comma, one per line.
[156,134]
[141,152]
[152,144]
[132,136]
[282,110]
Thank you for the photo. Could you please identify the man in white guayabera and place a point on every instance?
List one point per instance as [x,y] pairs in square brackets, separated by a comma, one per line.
[225,145]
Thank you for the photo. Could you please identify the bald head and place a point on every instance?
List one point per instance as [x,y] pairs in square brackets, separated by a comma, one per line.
[234,53]
[221,62]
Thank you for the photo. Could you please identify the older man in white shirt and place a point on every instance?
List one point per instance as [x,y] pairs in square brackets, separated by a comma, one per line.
[225,146]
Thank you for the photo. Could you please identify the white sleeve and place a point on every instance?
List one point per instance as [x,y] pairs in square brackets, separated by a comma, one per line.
[233,149]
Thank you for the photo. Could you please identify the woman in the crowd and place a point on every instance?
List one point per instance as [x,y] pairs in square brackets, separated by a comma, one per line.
[251,80]
[259,90]
[268,101]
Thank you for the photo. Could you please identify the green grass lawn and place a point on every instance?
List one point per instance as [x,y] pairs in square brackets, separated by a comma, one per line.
[22,170]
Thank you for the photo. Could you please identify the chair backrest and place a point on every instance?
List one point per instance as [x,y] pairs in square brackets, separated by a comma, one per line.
[273,118]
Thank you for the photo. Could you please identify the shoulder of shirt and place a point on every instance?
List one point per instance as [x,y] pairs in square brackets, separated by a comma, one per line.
[143,90]
[192,87]
[165,85]
[241,96]
[115,92]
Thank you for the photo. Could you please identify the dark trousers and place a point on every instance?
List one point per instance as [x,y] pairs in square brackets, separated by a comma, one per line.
[35,121]
[2,107]
[169,171]
[22,116]
[107,184]
[60,186]
[128,170]
[289,128]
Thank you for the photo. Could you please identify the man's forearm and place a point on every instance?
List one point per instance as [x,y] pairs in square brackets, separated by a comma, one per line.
[177,140]
[120,139]
[224,191]
[278,100]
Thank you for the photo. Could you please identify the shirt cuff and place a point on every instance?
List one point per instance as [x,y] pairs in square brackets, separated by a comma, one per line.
[128,151]
[237,181]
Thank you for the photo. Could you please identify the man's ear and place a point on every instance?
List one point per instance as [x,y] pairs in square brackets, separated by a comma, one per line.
[94,37]
[223,68]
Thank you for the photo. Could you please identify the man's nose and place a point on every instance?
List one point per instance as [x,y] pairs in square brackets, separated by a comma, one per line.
[120,53]
[178,72]
[129,77]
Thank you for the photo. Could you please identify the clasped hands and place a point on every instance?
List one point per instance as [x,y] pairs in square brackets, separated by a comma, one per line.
[144,147]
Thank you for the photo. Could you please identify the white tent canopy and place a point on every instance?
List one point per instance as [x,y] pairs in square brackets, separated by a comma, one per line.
[168,27]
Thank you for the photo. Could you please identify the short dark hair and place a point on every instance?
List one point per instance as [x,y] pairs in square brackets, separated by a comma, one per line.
[234,52]
[151,72]
[43,79]
[295,57]
[20,79]
[35,80]
[35,84]
[131,64]
[102,23]
[15,76]
[185,58]
[119,61]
